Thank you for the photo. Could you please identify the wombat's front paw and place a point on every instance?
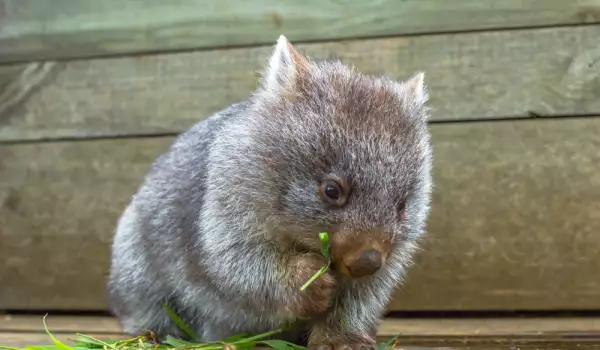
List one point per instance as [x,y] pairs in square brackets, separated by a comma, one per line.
[322,338]
[344,346]
[318,296]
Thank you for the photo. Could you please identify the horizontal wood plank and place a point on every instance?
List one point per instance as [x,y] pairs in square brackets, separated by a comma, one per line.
[441,327]
[60,324]
[415,334]
[481,75]
[23,340]
[514,220]
[33,30]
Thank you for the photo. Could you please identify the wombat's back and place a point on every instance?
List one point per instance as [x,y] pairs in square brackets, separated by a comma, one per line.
[155,252]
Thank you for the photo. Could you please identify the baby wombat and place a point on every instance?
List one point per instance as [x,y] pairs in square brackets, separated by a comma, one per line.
[225,226]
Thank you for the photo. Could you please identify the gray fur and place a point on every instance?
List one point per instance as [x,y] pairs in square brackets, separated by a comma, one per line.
[205,231]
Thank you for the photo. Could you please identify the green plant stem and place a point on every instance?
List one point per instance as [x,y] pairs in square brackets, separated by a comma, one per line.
[315,276]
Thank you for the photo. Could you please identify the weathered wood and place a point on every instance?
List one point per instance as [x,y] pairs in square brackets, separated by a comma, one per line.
[33,30]
[544,342]
[60,324]
[421,334]
[23,340]
[17,82]
[515,218]
[409,327]
[481,75]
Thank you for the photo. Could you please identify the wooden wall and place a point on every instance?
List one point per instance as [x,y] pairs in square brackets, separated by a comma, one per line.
[91,92]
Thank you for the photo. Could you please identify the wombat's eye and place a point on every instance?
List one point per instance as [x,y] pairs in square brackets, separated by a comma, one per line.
[402,211]
[334,192]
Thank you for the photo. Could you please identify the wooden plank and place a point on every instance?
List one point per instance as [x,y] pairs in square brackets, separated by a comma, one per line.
[480,75]
[22,340]
[514,219]
[409,327]
[477,333]
[60,324]
[18,82]
[30,30]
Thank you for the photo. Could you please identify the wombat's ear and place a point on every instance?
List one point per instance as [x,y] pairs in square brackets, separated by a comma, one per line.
[285,66]
[415,90]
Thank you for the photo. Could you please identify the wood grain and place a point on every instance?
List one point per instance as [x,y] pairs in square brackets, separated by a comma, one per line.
[514,222]
[409,327]
[388,327]
[23,340]
[18,82]
[482,75]
[33,30]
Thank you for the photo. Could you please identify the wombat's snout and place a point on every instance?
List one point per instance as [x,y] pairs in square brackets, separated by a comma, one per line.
[364,264]
[359,254]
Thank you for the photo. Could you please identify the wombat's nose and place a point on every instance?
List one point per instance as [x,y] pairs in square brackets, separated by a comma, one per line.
[366,264]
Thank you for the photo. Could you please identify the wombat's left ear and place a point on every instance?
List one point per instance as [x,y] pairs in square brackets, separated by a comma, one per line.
[285,66]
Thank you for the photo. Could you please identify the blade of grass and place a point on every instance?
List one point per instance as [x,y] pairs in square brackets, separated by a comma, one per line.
[174,342]
[324,239]
[260,336]
[57,342]
[98,341]
[281,344]
[314,277]
[184,327]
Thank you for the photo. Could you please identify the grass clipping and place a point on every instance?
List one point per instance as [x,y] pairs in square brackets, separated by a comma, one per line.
[150,341]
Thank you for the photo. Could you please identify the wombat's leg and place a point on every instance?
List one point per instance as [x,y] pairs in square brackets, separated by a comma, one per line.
[139,311]
[353,320]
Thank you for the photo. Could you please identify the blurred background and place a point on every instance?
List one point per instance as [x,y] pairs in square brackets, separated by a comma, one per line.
[91,92]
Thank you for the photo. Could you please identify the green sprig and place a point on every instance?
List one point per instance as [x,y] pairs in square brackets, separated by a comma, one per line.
[325,251]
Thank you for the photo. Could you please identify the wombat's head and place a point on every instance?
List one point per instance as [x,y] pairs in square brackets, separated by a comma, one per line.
[327,148]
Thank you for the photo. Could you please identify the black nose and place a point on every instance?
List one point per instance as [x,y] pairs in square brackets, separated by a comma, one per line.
[367,264]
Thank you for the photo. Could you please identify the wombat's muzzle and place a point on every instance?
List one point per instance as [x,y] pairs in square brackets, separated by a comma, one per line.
[355,256]
[364,264]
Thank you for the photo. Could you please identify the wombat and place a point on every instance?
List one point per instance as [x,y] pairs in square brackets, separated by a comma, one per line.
[224,228]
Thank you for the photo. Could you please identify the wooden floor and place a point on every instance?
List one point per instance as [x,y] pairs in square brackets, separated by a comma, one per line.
[459,333]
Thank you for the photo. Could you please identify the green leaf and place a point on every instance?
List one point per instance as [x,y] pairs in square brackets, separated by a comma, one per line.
[184,327]
[324,238]
[57,342]
[259,336]
[281,344]
[87,343]
[89,340]
[244,345]
[174,342]
[235,338]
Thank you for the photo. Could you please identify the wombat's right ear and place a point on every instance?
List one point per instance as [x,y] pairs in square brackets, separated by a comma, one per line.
[285,67]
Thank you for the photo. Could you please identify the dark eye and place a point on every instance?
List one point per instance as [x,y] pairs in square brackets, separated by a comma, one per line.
[402,210]
[334,191]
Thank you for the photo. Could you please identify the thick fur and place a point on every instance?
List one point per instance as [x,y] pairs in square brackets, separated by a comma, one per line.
[224,227]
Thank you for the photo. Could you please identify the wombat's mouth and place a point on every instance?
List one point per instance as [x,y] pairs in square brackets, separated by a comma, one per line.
[355,255]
